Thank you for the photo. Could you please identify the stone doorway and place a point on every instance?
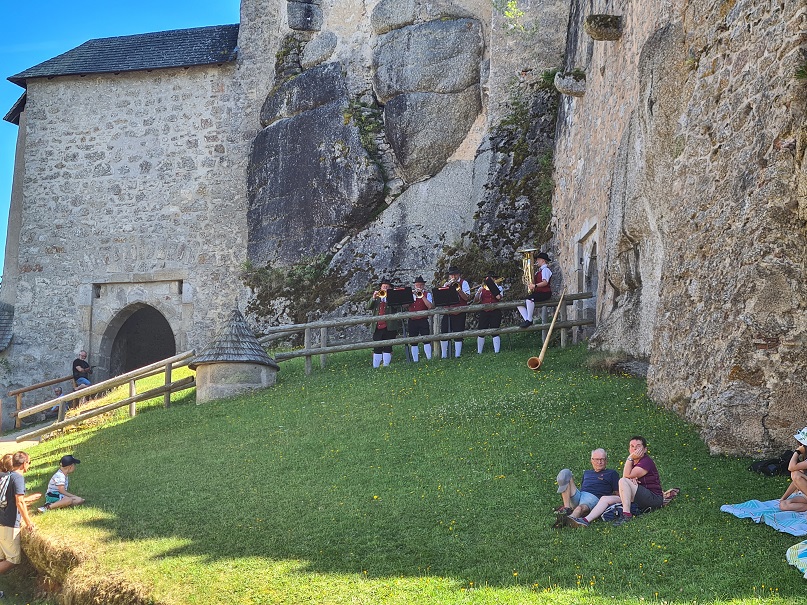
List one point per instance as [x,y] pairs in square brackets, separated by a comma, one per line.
[140,335]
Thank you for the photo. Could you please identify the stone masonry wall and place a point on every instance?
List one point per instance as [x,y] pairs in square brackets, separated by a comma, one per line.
[133,192]
[682,162]
[127,179]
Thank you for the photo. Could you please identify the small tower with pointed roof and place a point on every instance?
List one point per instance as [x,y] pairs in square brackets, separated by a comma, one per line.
[232,363]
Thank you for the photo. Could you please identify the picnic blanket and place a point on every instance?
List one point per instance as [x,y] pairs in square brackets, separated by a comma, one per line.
[768,512]
[797,556]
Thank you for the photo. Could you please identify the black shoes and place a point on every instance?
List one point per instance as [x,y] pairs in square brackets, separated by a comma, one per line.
[525,324]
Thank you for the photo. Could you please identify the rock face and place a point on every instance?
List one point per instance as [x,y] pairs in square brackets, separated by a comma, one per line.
[695,216]
[309,178]
[427,76]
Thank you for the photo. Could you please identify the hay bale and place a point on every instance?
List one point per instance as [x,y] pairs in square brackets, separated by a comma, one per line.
[71,570]
[89,586]
[52,556]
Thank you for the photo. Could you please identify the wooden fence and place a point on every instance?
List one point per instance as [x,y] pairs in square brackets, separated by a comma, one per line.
[563,325]
[309,329]
[165,366]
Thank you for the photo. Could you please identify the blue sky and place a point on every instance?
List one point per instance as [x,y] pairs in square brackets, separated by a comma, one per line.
[32,32]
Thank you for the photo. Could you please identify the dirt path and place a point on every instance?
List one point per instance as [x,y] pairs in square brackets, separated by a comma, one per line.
[9,445]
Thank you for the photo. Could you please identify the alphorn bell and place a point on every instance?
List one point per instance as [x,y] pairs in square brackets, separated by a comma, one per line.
[534,363]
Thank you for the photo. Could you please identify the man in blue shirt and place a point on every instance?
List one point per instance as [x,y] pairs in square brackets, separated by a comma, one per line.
[601,481]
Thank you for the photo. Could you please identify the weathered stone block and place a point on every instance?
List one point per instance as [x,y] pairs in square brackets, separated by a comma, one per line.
[309,181]
[304,16]
[424,129]
[438,56]
[572,83]
[318,50]
[220,380]
[316,87]
[392,14]
[603,27]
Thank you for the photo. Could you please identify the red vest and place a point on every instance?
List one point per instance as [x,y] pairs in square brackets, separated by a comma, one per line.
[537,279]
[487,297]
[418,305]
[382,310]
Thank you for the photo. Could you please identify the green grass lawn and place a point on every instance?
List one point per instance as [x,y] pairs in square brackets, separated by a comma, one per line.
[413,484]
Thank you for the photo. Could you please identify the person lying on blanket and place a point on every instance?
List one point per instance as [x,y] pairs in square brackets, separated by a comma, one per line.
[798,474]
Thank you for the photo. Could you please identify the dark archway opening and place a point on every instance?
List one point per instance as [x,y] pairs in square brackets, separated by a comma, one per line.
[145,337]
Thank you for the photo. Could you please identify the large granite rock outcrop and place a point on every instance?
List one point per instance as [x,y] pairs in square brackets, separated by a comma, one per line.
[309,178]
[427,76]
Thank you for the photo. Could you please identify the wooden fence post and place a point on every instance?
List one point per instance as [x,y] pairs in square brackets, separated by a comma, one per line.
[167,397]
[132,393]
[564,332]
[323,343]
[17,423]
[307,345]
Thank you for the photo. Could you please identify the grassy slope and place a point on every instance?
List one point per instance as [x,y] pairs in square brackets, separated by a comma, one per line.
[413,484]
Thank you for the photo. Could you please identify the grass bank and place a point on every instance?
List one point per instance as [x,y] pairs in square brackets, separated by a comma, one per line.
[418,484]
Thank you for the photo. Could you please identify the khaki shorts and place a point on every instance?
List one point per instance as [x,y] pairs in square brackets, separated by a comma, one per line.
[10,545]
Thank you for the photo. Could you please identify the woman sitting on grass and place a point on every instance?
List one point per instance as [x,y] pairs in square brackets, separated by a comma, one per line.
[798,474]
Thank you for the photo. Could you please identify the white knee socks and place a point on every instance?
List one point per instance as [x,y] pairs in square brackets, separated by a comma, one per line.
[376,360]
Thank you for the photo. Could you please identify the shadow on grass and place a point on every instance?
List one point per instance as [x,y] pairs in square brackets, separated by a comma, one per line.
[444,468]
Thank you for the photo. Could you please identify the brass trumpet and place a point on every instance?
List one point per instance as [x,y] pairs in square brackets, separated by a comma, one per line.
[419,293]
[381,294]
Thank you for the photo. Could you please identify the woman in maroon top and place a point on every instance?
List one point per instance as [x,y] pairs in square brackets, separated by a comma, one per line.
[640,481]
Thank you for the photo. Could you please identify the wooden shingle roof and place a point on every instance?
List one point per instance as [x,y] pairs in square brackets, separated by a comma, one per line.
[157,50]
[234,344]
[6,324]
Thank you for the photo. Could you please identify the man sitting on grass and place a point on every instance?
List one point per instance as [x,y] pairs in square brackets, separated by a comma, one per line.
[640,483]
[57,495]
[596,483]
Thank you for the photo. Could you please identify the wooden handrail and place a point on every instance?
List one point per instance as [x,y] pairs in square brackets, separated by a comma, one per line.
[354,321]
[355,346]
[179,385]
[39,385]
[144,372]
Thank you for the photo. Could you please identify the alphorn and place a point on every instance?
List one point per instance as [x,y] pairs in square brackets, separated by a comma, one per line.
[534,363]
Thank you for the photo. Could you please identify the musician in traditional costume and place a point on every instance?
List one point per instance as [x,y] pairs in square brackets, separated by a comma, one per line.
[539,289]
[488,293]
[384,330]
[419,326]
[455,322]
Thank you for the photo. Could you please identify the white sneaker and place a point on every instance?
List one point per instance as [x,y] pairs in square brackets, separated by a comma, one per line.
[43,509]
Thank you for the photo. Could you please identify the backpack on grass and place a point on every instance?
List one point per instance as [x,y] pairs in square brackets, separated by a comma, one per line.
[773,466]
[613,512]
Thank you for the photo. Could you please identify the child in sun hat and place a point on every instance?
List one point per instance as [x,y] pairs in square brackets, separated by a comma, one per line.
[57,495]
[795,496]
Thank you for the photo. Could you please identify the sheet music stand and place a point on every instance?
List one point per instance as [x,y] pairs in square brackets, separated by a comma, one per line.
[398,297]
[444,297]
[493,286]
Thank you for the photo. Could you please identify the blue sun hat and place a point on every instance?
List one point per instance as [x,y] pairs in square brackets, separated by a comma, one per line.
[801,436]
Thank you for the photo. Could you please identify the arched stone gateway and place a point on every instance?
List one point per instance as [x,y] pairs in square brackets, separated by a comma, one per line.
[137,336]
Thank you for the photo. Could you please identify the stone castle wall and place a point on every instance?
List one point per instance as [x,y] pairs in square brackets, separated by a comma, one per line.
[132,192]
[683,162]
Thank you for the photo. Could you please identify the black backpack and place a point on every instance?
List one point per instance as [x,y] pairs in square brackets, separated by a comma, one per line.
[773,466]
